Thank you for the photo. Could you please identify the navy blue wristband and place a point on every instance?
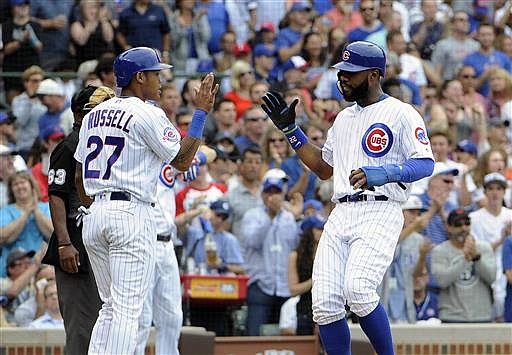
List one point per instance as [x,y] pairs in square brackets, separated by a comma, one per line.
[195,130]
[296,137]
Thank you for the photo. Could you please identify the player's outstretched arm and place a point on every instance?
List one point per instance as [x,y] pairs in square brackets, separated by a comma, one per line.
[283,117]
[205,97]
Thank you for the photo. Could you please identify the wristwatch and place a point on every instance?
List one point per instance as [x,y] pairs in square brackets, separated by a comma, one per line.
[477,257]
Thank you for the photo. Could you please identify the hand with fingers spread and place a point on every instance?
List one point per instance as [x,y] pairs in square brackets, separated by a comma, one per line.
[205,95]
[278,110]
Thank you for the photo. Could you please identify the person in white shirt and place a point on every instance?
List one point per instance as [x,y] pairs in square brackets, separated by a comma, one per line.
[51,317]
[489,224]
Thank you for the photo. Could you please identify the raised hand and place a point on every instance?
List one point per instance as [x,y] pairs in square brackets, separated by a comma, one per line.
[205,95]
[279,112]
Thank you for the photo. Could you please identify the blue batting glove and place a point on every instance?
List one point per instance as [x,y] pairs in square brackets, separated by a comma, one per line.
[380,175]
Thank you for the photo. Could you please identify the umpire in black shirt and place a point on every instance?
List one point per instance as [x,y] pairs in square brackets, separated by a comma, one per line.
[78,296]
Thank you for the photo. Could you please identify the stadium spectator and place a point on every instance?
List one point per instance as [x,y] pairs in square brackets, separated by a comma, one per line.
[33,307]
[254,127]
[507,269]
[412,68]
[500,91]
[27,108]
[465,268]
[293,77]
[425,34]
[370,24]
[473,100]
[7,129]
[397,288]
[466,153]
[52,17]
[50,137]
[257,90]
[485,60]
[246,194]
[170,101]
[290,38]
[242,77]
[275,149]
[315,55]
[21,45]
[144,24]
[218,20]
[492,161]
[344,16]
[409,89]
[222,169]
[189,36]
[16,279]
[25,221]
[223,120]
[490,224]
[58,109]
[51,319]
[224,59]
[188,93]
[92,33]
[270,233]
[6,169]
[425,302]
[264,61]
[300,268]
[105,70]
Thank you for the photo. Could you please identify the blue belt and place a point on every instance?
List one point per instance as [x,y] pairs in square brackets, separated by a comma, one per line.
[362,197]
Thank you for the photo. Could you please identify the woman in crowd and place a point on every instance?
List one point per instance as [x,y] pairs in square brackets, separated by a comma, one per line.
[242,77]
[500,85]
[471,190]
[314,53]
[300,268]
[92,34]
[275,148]
[24,222]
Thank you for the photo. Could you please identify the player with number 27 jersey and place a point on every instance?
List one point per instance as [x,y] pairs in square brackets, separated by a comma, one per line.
[118,147]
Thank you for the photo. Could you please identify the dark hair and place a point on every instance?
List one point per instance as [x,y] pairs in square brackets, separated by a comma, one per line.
[389,83]
[186,88]
[305,255]
[391,34]
[105,64]
[252,150]
[305,53]
[219,103]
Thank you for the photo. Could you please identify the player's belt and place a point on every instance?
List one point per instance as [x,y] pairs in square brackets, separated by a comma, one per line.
[115,196]
[362,197]
[163,238]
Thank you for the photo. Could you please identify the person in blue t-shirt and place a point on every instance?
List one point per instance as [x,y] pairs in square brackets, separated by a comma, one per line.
[370,22]
[507,269]
[425,301]
[289,39]
[487,58]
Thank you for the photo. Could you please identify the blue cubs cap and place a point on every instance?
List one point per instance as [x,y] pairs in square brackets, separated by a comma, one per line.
[300,6]
[19,2]
[273,182]
[52,132]
[220,207]
[317,205]
[312,222]
[362,55]
[263,50]
[6,118]
[295,62]
[467,146]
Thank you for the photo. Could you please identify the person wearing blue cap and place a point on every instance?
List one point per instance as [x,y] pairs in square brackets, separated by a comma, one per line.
[264,61]
[300,269]
[270,233]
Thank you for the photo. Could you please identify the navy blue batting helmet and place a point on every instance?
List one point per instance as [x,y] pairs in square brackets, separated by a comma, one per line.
[362,55]
[135,60]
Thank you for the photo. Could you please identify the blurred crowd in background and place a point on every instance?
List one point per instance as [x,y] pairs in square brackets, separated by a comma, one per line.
[451,60]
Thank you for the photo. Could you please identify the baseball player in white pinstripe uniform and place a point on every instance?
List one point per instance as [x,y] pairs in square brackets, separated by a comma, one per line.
[121,142]
[374,150]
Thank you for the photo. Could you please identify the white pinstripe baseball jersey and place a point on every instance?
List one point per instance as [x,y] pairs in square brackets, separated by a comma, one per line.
[391,132]
[122,142]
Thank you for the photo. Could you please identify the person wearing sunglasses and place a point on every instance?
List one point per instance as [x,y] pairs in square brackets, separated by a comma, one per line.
[370,22]
[465,268]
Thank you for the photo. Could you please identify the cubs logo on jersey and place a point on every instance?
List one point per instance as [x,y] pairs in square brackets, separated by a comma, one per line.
[167,175]
[377,140]
[421,136]
[170,135]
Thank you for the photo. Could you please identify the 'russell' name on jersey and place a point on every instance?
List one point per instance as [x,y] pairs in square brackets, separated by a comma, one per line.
[109,118]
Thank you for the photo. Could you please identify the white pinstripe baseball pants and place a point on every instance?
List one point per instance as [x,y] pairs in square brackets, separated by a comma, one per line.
[353,254]
[163,304]
[120,239]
